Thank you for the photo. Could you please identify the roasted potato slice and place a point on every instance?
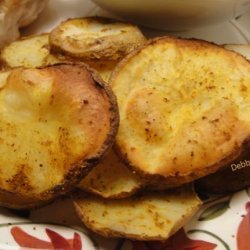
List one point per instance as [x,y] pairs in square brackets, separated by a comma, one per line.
[184,108]
[56,122]
[33,52]
[29,52]
[236,175]
[243,49]
[92,38]
[151,216]
[111,179]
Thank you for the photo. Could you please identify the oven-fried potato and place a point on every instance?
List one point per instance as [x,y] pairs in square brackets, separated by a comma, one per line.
[33,52]
[184,108]
[56,122]
[29,52]
[151,216]
[92,38]
[243,49]
[236,175]
[111,179]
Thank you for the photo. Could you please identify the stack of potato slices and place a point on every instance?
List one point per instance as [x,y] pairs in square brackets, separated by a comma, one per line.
[99,42]
[183,108]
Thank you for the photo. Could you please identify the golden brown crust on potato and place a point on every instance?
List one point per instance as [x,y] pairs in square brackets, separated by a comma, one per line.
[56,123]
[149,216]
[15,201]
[159,182]
[183,108]
[111,179]
[92,38]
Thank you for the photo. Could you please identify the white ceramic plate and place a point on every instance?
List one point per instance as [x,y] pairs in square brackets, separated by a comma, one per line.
[221,224]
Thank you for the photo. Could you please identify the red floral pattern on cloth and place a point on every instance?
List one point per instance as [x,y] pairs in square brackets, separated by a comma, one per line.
[178,241]
[25,240]
[243,233]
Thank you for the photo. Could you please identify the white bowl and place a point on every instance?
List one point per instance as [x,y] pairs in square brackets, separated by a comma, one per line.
[176,14]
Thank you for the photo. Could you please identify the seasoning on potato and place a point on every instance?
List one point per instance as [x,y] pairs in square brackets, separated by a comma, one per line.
[235,175]
[184,108]
[149,216]
[56,123]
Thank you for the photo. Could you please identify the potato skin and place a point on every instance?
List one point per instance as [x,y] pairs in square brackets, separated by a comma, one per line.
[15,201]
[163,181]
[80,169]
[230,178]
